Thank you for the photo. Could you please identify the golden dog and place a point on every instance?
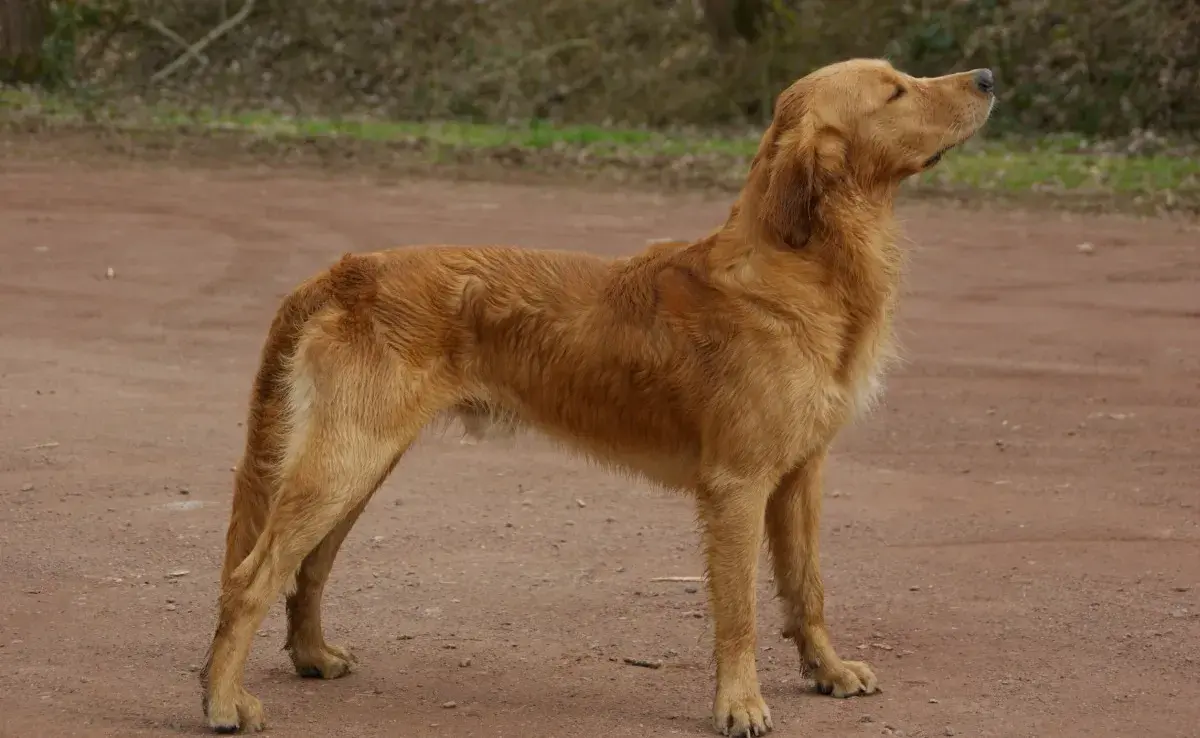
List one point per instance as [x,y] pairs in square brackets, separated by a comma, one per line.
[723,367]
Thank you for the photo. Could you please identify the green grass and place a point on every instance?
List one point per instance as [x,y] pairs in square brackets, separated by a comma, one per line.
[1063,166]
[483,136]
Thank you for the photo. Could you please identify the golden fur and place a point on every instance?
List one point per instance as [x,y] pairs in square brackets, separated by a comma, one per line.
[723,367]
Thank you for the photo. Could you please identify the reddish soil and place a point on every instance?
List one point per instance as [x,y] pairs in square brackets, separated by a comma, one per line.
[1013,539]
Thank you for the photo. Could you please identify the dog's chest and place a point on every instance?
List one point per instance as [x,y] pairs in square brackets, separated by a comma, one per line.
[815,412]
[865,370]
[867,391]
[868,349]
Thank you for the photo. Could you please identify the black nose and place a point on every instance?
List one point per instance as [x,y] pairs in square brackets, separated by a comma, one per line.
[985,81]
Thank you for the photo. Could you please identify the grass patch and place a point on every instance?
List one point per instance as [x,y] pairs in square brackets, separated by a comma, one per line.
[1062,168]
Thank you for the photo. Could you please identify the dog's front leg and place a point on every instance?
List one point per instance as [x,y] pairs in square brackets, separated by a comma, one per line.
[793,525]
[732,515]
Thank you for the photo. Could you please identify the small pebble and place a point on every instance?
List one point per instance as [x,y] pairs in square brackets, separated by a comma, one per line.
[465,663]
[1085,248]
[109,273]
[690,590]
[27,487]
[449,705]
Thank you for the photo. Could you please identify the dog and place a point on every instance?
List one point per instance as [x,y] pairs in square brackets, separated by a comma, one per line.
[723,368]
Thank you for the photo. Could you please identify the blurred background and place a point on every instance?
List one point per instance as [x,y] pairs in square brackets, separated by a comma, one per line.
[674,91]
[1091,67]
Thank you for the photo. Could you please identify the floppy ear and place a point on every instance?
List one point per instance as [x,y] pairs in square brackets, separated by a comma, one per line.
[788,205]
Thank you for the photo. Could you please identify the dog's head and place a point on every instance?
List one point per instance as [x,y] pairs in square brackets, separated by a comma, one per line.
[857,129]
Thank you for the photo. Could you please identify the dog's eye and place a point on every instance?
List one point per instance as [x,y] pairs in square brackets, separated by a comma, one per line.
[899,93]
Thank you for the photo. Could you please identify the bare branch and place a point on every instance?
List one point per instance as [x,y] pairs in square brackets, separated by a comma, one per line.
[195,49]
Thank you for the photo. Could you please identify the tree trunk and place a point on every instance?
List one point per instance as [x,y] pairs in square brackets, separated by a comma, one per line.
[730,19]
[22,29]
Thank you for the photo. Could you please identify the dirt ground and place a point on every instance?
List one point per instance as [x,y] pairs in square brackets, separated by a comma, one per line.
[1013,539]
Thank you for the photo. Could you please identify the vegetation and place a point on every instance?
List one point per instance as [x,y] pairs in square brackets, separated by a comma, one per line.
[1097,98]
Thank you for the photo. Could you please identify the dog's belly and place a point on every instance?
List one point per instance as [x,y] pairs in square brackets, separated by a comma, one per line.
[672,470]
[670,442]
[642,433]
[630,397]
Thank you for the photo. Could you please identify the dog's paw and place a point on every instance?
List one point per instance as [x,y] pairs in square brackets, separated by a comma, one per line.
[323,662]
[741,714]
[850,679]
[242,712]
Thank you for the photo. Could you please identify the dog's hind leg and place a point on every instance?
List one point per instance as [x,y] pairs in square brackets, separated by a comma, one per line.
[349,421]
[306,645]
[331,480]
[793,524]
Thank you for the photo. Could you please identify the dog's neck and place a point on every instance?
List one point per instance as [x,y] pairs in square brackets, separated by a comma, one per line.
[851,238]
[851,250]
[854,240]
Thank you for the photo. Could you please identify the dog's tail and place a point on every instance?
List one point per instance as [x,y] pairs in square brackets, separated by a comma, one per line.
[257,476]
